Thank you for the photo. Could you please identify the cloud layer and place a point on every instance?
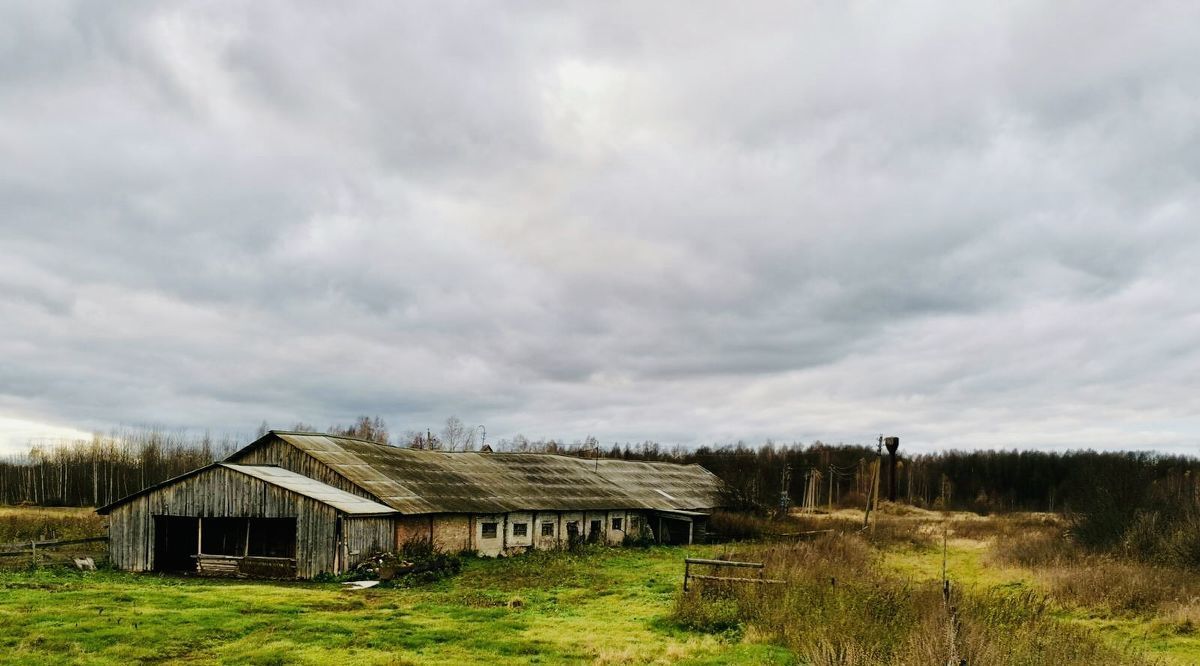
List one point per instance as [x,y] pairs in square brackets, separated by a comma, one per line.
[968,226]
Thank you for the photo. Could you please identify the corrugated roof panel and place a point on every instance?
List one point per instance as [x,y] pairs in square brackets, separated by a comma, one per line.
[415,481]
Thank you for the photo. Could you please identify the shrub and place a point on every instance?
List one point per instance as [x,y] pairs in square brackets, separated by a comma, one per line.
[711,614]
[416,562]
[1035,549]
[730,526]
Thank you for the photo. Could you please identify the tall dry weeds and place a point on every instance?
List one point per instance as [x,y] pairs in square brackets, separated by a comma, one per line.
[839,608]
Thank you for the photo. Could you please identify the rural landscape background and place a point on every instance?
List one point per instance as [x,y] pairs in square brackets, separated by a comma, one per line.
[995,557]
[753,237]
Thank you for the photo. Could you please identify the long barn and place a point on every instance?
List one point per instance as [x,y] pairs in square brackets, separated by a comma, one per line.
[299,504]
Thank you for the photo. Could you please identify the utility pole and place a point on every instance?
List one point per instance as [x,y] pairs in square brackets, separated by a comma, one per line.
[873,488]
[783,490]
[813,496]
[831,473]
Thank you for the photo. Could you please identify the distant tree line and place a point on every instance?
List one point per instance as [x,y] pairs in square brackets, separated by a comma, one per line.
[105,468]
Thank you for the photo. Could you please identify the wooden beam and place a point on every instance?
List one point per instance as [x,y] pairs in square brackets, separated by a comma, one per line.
[739,580]
[724,563]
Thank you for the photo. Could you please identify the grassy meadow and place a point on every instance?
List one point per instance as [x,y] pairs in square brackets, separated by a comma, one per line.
[1021,593]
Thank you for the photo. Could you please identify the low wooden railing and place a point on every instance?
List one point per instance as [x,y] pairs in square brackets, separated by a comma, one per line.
[30,547]
[689,576]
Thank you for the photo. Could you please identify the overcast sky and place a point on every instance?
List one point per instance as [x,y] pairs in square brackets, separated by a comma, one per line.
[966,224]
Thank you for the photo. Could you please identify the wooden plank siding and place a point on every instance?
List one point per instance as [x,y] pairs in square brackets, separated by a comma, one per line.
[223,493]
[366,537]
[275,451]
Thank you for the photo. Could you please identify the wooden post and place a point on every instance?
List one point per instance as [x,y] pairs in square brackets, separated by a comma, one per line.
[686,570]
[875,494]
[33,552]
[872,486]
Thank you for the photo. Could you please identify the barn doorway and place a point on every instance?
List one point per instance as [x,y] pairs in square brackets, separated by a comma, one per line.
[676,528]
[264,547]
[176,542]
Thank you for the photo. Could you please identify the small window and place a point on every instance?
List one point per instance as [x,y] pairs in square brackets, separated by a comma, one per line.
[572,528]
[616,524]
[489,530]
[595,527]
[547,529]
[520,529]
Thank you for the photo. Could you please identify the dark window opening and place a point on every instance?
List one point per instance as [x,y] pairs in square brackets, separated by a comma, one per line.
[223,536]
[572,529]
[594,528]
[616,524]
[489,530]
[520,529]
[548,529]
[272,537]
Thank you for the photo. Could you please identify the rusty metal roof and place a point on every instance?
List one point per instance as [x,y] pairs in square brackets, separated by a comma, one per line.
[337,498]
[416,481]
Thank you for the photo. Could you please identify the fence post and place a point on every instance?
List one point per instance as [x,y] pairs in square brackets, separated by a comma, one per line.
[686,571]
[33,552]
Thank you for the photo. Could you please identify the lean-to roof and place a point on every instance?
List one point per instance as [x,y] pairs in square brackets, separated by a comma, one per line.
[347,503]
[337,498]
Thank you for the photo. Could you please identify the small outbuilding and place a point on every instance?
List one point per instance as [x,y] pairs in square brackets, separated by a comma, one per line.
[300,504]
[245,519]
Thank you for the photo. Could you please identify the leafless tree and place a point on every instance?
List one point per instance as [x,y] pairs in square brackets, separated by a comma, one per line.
[372,430]
[416,439]
[457,436]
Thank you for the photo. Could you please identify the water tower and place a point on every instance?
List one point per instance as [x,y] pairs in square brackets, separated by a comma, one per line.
[892,443]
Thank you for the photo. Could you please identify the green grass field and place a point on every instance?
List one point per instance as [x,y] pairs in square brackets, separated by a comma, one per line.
[607,606]
[604,606]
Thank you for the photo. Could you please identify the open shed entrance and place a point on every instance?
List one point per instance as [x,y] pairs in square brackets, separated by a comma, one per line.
[263,547]
[176,541]
[680,527]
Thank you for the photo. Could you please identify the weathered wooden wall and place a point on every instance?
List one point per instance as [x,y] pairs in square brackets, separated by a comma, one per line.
[220,492]
[367,536]
[278,452]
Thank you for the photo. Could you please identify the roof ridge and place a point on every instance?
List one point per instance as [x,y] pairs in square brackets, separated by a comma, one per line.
[329,434]
[559,454]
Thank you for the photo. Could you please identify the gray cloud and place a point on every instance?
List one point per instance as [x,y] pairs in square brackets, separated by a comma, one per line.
[973,226]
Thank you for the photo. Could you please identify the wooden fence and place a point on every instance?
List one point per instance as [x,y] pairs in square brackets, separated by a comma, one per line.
[718,564]
[30,548]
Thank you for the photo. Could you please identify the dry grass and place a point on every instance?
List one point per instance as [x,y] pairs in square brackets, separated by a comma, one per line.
[1122,586]
[25,524]
[840,608]
[1107,583]
[19,525]
[738,526]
